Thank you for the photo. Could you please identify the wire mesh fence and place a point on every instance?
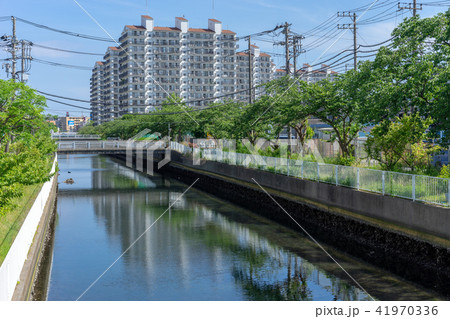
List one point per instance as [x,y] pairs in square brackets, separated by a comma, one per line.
[421,188]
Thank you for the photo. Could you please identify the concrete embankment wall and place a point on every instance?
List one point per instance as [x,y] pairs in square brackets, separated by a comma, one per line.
[17,271]
[378,229]
[413,215]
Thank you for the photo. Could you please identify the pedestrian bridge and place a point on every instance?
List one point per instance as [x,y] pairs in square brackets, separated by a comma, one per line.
[115,147]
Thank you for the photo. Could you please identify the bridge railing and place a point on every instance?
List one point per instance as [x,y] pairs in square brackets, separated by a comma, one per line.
[427,189]
[92,145]
[63,136]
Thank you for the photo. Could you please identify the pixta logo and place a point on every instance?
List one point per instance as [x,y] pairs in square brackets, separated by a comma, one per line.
[142,147]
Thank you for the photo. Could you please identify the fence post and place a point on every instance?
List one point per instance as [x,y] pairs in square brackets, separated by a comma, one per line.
[302,170]
[383,182]
[448,193]
[413,188]
[318,172]
[336,174]
[357,178]
[73,145]
[103,144]
[89,145]
[287,166]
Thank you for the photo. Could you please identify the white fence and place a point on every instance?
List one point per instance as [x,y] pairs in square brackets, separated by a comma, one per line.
[427,189]
[74,136]
[12,265]
[92,145]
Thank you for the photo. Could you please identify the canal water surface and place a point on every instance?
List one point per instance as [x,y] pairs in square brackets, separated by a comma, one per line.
[202,248]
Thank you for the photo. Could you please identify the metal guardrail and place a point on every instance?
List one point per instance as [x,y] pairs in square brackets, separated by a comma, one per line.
[106,145]
[62,136]
[427,189]
[92,145]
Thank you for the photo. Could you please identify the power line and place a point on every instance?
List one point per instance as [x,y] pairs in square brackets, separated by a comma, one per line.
[75,34]
[63,97]
[68,104]
[63,50]
[70,66]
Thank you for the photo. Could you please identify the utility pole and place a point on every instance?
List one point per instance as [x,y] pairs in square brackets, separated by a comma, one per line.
[13,52]
[22,74]
[297,49]
[350,26]
[286,43]
[410,6]
[294,49]
[250,71]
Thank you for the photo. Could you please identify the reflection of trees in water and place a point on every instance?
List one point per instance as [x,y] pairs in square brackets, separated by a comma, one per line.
[260,266]
[263,270]
[293,288]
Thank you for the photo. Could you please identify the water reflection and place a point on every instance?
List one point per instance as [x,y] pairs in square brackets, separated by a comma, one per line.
[200,249]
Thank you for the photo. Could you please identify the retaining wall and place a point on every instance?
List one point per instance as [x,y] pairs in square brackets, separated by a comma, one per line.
[11,268]
[418,216]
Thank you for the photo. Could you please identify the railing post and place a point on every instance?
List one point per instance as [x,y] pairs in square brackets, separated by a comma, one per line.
[357,178]
[89,145]
[73,145]
[413,188]
[318,172]
[302,171]
[336,170]
[287,166]
[103,145]
[383,182]
[448,192]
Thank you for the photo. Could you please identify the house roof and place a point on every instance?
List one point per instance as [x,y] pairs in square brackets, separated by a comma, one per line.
[228,31]
[135,27]
[147,17]
[214,20]
[181,18]
[166,29]
[200,30]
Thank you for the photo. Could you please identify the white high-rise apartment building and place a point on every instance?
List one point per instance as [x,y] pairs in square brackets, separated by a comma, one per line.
[196,64]
[110,89]
[200,66]
[261,72]
[97,102]
[306,73]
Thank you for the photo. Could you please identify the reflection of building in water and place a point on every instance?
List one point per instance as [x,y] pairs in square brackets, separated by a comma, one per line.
[260,267]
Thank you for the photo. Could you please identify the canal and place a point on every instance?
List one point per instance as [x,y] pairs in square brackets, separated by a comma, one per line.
[202,248]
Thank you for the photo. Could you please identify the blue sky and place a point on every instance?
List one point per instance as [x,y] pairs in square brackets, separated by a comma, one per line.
[242,16]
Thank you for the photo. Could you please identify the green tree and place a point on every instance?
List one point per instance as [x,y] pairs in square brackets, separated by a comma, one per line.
[412,74]
[392,141]
[26,152]
[337,104]
[20,111]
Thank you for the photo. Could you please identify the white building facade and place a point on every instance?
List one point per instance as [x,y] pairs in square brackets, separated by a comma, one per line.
[200,66]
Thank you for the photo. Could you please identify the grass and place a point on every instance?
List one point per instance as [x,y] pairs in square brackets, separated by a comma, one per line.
[11,222]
